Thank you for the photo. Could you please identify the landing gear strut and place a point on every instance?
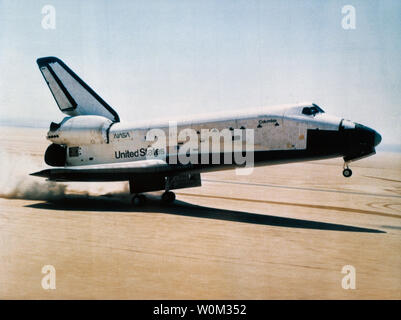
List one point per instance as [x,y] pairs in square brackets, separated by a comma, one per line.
[168,197]
[347,172]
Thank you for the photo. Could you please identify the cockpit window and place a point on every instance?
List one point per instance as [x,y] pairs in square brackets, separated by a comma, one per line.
[312,111]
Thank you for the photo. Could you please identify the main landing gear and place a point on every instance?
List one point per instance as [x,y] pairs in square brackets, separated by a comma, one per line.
[347,172]
[140,199]
[168,197]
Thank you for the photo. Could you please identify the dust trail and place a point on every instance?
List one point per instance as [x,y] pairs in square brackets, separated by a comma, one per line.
[16,183]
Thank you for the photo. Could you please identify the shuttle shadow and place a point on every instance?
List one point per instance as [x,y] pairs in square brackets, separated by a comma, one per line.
[121,203]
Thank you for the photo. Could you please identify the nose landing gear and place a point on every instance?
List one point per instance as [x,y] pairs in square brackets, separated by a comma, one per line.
[347,172]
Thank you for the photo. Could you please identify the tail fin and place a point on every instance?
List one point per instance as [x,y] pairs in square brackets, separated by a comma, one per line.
[73,96]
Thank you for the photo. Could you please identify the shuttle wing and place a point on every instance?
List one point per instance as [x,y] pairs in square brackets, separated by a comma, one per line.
[106,172]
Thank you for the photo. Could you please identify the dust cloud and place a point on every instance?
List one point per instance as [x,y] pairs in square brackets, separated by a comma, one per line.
[16,183]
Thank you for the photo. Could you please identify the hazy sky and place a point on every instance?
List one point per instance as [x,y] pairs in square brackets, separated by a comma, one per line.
[151,59]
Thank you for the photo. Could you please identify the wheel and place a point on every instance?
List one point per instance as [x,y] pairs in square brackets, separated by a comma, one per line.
[138,199]
[168,197]
[347,173]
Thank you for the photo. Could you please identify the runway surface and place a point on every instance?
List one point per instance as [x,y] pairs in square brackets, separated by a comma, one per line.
[284,232]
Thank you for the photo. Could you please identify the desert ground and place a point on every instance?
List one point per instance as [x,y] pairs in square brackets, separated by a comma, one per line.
[283,232]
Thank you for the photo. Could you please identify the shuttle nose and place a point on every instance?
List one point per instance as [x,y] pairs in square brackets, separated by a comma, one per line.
[367,136]
[377,138]
[361,142]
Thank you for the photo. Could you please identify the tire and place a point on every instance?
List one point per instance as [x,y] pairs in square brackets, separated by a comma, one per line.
[347,173]
[168,197]
[138,200]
